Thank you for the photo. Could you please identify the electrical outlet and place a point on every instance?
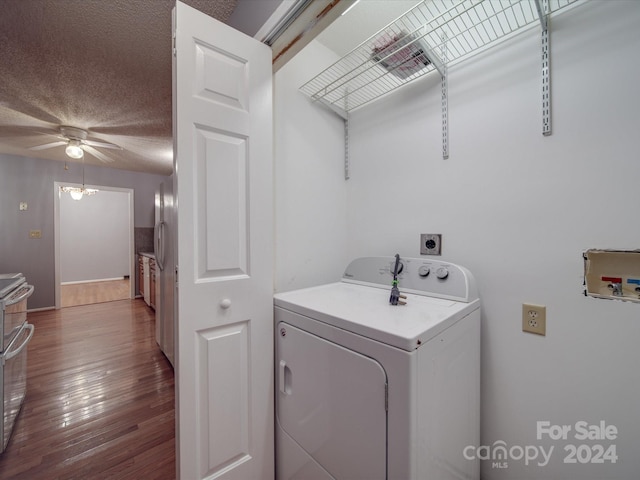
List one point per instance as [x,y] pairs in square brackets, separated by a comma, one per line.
[430,243]
[534,319]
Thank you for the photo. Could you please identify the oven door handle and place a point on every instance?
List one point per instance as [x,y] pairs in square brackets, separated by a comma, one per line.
[26,294]
[10,354]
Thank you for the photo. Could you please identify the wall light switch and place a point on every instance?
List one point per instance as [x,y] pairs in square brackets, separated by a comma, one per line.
[23,205]
[35,233]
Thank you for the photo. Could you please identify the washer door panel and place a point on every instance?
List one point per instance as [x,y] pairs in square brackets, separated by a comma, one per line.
[332,402]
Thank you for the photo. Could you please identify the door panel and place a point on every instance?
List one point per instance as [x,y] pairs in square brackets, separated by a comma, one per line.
[223,166]
[222,195]
[229,89]
[224,392]
[332,403]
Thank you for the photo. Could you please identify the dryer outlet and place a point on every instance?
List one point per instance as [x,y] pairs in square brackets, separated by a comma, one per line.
[430,243]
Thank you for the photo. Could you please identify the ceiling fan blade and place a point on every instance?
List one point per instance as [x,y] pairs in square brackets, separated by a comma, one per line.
[99,155]
[102,144]
[19,105]
[48,145]
[26,131]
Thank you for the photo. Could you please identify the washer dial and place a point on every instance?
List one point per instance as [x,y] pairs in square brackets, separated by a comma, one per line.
[424,271]
[442,273]
[392,265]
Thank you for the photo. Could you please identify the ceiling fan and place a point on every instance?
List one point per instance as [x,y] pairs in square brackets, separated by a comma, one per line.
[76,143]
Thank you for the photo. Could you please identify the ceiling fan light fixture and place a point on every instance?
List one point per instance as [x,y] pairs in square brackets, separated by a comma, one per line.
[74,150]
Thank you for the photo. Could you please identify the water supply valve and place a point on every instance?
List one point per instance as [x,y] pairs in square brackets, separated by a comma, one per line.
[612,274]
[615,284]
[636,282]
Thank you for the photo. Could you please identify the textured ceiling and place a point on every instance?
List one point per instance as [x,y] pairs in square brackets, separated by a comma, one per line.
[100,65]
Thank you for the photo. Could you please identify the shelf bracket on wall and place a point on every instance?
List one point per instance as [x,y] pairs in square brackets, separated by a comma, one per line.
[543,8]
[445,99]
[346,137]
[346,148]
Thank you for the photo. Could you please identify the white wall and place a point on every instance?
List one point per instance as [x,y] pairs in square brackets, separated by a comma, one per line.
[94,237]
[310,191]
[518,209]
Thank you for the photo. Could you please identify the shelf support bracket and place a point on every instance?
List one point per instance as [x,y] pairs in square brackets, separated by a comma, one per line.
[542,13]
[543,7]
[347,173]
[445,100]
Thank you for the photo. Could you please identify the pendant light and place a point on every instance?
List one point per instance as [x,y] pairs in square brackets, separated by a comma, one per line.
[76,192]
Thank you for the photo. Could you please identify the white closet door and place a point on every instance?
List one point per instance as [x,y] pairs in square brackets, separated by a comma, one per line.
[223,135]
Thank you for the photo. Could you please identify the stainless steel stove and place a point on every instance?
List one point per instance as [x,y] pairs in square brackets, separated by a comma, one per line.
[15,334]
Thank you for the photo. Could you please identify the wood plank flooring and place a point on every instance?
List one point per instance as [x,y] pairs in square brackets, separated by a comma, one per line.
[100,398]
[93,292]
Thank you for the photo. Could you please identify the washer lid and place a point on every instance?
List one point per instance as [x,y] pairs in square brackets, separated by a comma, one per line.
[365,310]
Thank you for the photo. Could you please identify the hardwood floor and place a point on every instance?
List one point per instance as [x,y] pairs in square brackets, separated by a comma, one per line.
[100,398]
[93,292]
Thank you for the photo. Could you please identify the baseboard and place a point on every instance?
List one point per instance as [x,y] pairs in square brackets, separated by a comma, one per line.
[41,309]
[94,281]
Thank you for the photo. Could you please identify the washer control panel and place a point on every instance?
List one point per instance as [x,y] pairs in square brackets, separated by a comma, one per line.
[415,275]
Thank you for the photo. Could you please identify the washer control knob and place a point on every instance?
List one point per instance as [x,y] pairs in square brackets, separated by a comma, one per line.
[393,265]
[424,271]
[442,273]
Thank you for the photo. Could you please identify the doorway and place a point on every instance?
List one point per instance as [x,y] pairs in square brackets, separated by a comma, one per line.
[94,245]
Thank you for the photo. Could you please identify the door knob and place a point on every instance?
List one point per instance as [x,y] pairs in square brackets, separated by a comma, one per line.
[226,303]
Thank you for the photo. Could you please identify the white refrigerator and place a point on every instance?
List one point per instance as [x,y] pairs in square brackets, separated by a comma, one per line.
[165,253]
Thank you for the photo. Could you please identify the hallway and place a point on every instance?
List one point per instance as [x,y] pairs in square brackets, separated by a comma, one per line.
[100,398]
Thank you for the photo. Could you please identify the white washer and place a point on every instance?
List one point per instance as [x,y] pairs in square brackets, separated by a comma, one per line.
[366,390]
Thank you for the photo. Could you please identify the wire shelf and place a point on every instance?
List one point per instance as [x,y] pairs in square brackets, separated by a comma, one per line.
[413,46]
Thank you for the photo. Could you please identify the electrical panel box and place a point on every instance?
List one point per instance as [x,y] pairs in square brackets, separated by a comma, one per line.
[612,274]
